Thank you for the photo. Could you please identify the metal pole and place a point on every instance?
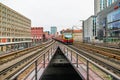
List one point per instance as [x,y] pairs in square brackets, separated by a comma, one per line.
[71,55]
[64,49]
[51,51]
[87,70]
[67,51]
[77,60]
[48,55]
[36,70]
[44,61]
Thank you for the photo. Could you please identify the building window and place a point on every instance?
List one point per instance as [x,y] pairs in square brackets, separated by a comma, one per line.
[8,40]
[113,16]
[109,2]
[114,25]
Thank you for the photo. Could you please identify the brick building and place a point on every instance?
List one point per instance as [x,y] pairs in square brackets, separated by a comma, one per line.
[37,34]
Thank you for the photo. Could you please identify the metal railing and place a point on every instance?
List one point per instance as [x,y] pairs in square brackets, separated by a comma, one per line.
[74,55]
[45,55]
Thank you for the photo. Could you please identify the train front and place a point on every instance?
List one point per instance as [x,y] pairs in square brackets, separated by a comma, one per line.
[68,38]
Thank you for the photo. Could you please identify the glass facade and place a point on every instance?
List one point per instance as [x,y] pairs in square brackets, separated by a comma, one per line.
[113,16]
[114,0]
[102,4]
[114,25]
[108,21]
[109,2]
[113,28]
[105,3]
[99,5]
[113,19]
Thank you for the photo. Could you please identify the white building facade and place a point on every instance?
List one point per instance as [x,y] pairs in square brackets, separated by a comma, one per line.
[89,30]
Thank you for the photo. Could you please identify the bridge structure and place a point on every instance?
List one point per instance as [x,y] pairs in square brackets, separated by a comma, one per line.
[57,61]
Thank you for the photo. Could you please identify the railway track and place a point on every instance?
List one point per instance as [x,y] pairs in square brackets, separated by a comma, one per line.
[11,56]
[11,67]
[110,53]
[30,69]
[112,66]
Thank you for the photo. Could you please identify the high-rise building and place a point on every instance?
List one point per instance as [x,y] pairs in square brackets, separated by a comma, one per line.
[108,24]
[96,6]
[104,26]
[53,30]
[99,5]
[109,2]
[15,29]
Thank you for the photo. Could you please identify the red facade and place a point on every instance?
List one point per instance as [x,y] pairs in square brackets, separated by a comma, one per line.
[37,33]
[4,40]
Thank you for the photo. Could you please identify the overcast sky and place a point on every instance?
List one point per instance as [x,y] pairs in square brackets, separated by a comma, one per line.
[46,13]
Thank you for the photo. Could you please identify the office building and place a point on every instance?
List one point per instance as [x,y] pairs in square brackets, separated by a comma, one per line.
[104,26]
[53,30]
[109,2]
[89,29]
[96,6]
[100,5]
[108,23]
[15,29]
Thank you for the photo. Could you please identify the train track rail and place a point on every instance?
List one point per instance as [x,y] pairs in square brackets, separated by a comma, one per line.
[111,53]
[11,67]
[11,56]
[112,66]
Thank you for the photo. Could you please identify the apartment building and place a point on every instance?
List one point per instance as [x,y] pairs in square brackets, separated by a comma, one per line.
[15,29]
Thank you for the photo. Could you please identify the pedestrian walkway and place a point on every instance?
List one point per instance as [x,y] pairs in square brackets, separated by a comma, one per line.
[82,68]
[40,69]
